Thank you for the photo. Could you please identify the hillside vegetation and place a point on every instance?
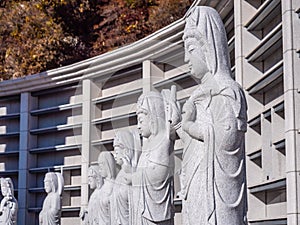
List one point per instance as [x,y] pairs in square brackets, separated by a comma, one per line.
[38,35]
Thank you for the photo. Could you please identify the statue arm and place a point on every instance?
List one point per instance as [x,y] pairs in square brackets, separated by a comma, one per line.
[3,203]
[194,130]
[181,134]
[83,215]
[190,126]
[8,202]
[128,170]
[13,207]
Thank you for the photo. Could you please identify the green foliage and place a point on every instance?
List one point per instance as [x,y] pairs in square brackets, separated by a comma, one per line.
[38,35]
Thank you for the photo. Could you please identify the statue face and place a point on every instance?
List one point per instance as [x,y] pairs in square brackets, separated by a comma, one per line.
[144,125]
[92,181]
[119,155]
[47,184]
[195,58]
[102,169]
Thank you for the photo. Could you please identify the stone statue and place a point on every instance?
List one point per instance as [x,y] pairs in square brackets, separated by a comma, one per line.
[51,211]
[107,168]
[127,146]
[212,128]
[8,205]
[91,216]
[153,180]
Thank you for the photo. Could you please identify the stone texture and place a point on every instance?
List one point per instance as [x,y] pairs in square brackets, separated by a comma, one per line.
[107,168]
[213,122]
[127,147]
[8,205]
[90,216]
[51,211]
[153,179]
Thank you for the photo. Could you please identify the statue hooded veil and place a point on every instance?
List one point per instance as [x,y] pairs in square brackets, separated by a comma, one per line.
[153,180]
[92,216]
[122,203]
[213,166]
[106,163]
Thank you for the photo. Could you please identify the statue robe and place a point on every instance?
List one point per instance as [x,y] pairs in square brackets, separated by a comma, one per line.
[104,209]
[213,166]
[121,201]
[92,217]
[50,214]
[153,185]
[9,214]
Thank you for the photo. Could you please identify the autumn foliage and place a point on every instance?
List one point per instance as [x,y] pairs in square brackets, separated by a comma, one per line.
[38,35]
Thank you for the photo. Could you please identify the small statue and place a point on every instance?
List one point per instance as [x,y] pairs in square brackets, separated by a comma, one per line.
[127,146]
[91,215]
[8,205]
[153,180]
[212,128]
[107,168]
[51,211]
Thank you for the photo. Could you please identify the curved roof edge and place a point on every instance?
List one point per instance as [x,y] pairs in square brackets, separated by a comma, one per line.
[133,53]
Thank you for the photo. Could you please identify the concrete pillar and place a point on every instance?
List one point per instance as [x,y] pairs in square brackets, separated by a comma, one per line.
[90,90]
[25,160]
[291,39]
[86,140]
[151,74]
[238,29]
[147,76]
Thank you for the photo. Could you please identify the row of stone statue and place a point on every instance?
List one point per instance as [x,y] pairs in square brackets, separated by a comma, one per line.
[141,192]
[50,213]
[211,126]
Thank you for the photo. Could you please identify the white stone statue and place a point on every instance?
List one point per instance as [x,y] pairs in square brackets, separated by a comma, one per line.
[153,180]
[91,216]
[127,146]
[8,205]
[107,167]
[213,124]
[51,211]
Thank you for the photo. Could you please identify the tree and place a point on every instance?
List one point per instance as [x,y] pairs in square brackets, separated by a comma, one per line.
[39,35]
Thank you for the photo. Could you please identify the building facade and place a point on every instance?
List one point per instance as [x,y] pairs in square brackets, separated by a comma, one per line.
[61,119]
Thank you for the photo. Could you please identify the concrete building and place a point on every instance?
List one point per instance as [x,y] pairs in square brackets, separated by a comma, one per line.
[61,119]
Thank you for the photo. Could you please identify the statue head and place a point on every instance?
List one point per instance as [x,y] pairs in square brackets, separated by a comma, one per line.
[50,182]
[107,165]
[150,114]
[205,41]
[127,145]
[94,178]
[53,182]
[123,146]
[7,187]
